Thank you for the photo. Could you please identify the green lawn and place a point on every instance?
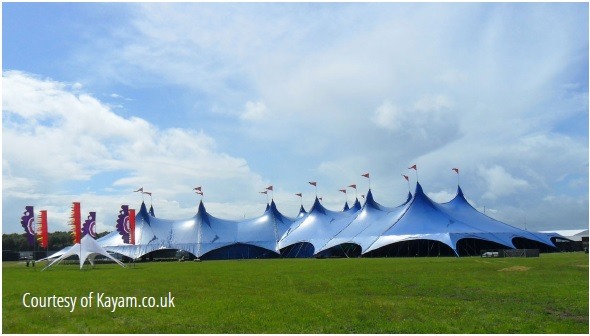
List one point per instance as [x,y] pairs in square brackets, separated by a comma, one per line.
[548,294]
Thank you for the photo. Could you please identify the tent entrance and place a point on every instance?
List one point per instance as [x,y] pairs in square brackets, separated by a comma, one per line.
[413,248]
[239,251]
[467,247]
[524,243]
[298,250]
[346,250]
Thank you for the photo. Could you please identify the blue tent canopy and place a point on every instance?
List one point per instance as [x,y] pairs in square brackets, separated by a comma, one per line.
[366,229]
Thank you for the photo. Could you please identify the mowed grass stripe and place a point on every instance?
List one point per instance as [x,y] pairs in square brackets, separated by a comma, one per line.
[386,295]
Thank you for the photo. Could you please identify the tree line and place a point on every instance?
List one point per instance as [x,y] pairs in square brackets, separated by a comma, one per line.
[57,241]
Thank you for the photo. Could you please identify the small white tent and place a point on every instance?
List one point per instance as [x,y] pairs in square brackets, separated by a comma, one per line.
[87,249]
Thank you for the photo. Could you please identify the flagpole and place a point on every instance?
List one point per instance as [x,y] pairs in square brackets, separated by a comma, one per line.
[416,170]
[407,181]
[368,176]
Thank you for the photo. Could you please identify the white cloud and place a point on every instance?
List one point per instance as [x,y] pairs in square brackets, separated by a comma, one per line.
[254,111]
[500,182]
[389,116]
[53,137]
[441,196]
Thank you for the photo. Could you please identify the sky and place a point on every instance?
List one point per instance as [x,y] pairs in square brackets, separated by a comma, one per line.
[100,99]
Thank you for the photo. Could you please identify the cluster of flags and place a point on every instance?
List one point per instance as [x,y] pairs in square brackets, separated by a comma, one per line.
[40,231]
[354,186]
[140,190]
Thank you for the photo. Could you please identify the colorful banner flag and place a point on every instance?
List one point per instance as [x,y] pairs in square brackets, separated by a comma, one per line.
[123,223]
[89,226]
[76,222]
[132,226]
[28,223]
[42,235]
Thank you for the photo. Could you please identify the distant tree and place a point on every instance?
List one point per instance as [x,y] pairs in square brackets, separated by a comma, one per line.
[57,241]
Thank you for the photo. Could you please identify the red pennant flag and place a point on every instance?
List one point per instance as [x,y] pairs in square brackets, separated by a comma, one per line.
[413,167]
[352,186]
[42,229]
[456,170]
[299,194]
[313,184]
[269,188]
[366,175]
[343,190]
[197,188]
[139,190]
[406,177]
[320,198]
[132,226]
[76,222]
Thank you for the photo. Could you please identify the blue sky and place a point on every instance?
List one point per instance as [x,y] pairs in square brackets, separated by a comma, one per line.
[100,99]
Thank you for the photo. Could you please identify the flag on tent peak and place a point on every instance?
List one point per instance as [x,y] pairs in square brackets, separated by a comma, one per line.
[343,190]
[299,194]
[366,175]
[269,188]
[456,170]
[315,184]
[413,167]
[352,186]
[139,190]
[406,177]
[264,192]
[197,188]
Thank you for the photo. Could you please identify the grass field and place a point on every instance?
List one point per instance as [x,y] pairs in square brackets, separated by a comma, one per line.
[548,294]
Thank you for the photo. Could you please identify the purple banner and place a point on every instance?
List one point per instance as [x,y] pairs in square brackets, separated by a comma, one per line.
[28,223]
[123,223]
[89,226]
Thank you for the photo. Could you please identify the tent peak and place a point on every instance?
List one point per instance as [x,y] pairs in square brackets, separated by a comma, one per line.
[346,207]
